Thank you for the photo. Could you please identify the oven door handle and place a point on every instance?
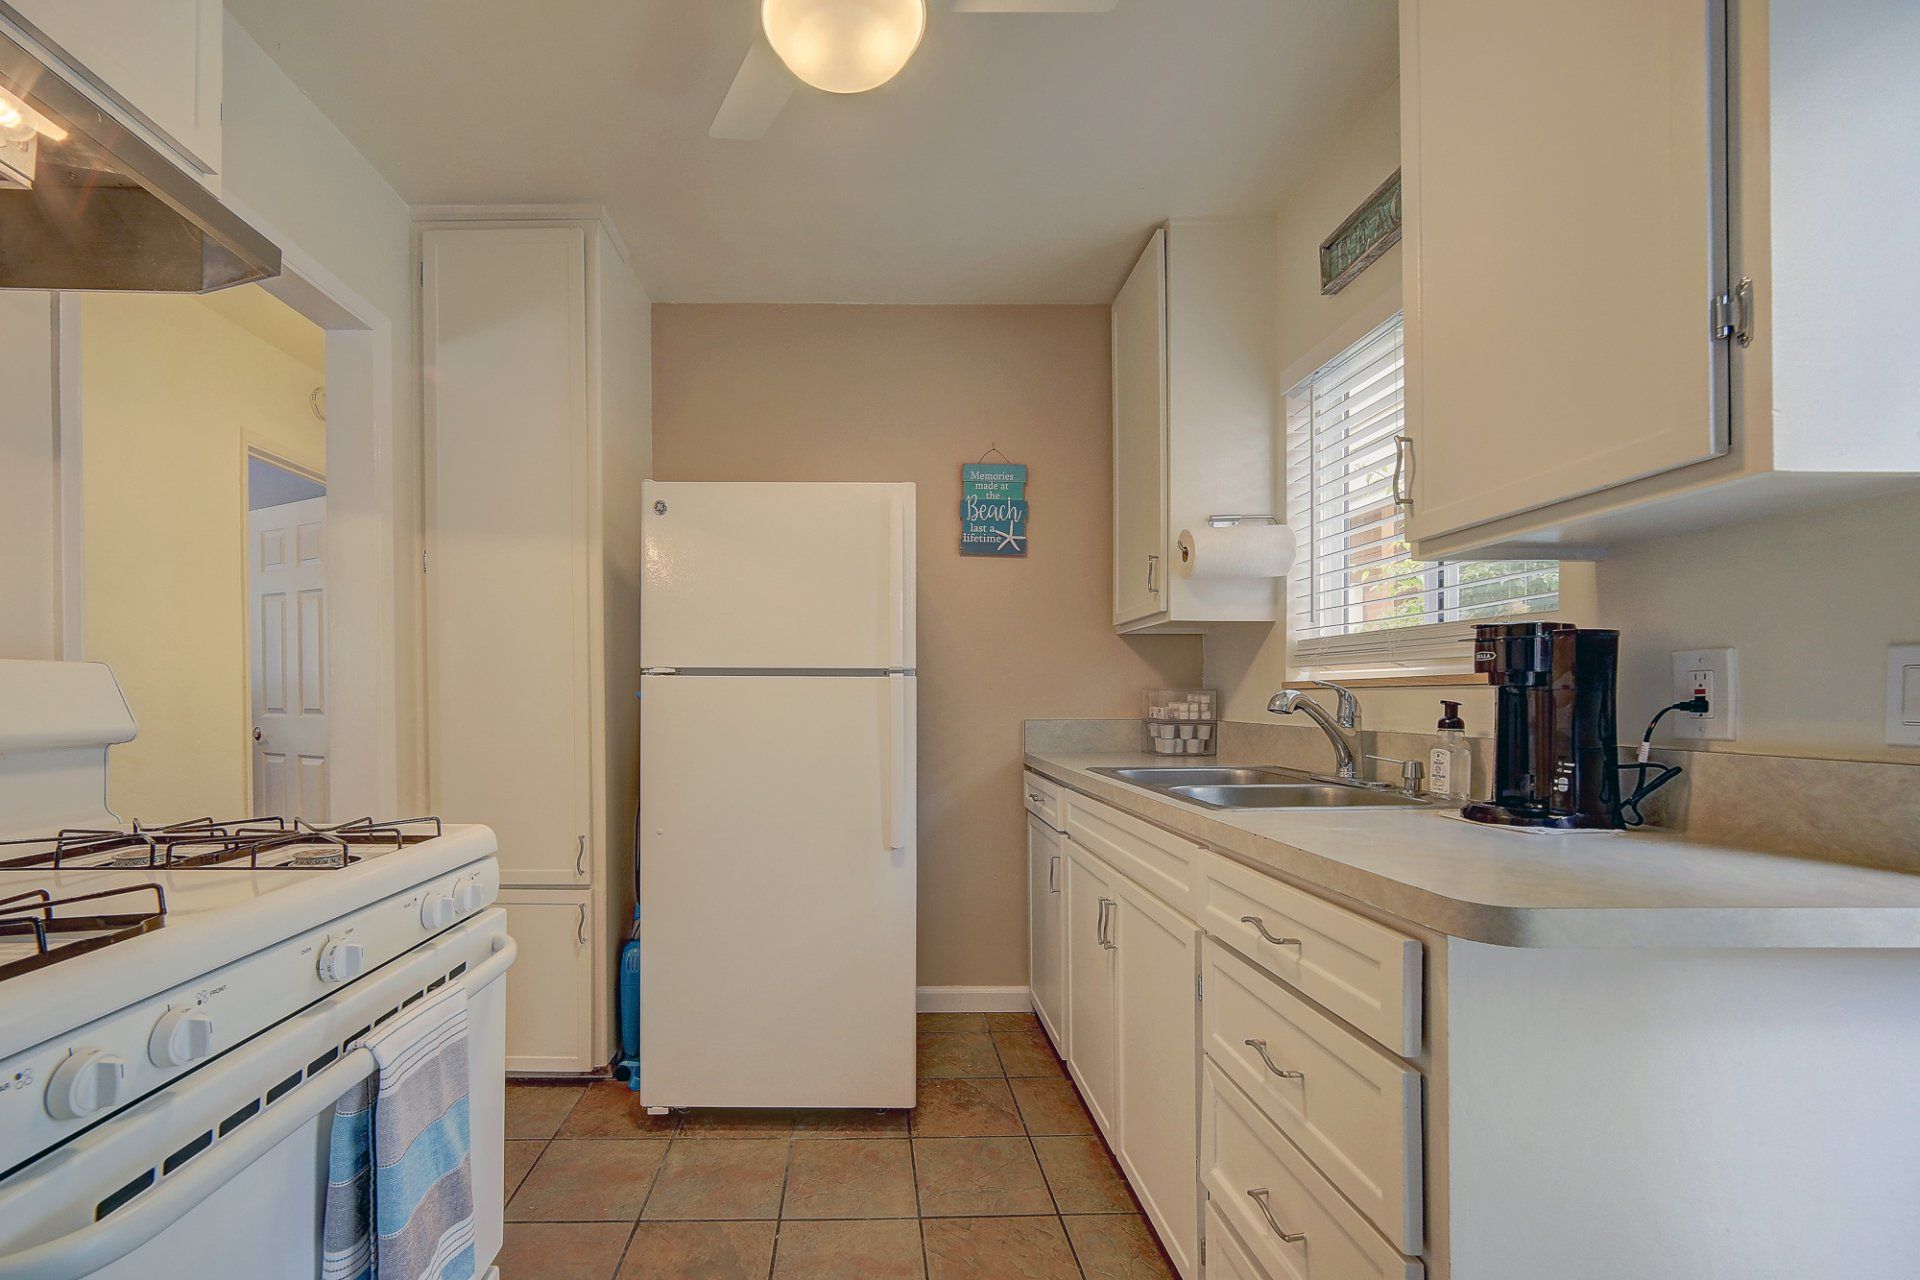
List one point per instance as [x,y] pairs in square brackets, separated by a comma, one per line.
[100,1244]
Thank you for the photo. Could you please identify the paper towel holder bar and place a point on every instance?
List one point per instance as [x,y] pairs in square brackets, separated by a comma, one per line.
[1225,522]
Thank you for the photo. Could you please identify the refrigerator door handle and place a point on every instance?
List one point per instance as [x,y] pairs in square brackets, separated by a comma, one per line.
[894,803]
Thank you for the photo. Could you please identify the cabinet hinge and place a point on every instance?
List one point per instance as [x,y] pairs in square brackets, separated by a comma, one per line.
[1203,1251]
[1730,315]
[1199,988]
[423,562]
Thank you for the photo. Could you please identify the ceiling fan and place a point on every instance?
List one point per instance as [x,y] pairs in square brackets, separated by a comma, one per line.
[841,46]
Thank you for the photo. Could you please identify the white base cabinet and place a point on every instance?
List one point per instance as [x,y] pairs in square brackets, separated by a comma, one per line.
[1090,979]
[1047,929]
[550,988]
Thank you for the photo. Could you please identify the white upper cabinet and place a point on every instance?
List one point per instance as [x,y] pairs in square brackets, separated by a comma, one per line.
[1641,283]
[1193,417]
[154,63]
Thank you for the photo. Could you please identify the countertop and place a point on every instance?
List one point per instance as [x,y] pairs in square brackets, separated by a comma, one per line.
[1521,889]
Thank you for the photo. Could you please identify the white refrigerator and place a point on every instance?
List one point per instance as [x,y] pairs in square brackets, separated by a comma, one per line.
[777,851]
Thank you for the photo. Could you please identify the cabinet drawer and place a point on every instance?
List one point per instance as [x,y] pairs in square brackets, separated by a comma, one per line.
[1265,1189]
[1362,971]
[1043,800]
[1158,861]
[1352,1109]
[1227,1258]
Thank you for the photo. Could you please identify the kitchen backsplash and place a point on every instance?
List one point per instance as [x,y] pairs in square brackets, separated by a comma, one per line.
[1846,810]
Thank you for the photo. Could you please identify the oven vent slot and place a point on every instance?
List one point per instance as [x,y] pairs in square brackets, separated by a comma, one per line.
[322,1062]
[123,1195]
[187,1152]
[240,1117]
[284,1088]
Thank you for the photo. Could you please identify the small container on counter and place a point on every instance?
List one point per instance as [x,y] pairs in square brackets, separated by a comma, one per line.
[1182,722]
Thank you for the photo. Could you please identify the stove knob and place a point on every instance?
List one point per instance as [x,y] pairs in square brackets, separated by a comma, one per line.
[182,1036]
[88,1081]
[436,911]
[342,960]
[469,896]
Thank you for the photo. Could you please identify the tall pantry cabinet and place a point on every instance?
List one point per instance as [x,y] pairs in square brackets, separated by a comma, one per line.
[535,341]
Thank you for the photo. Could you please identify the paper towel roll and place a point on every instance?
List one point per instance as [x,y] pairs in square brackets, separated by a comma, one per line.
[1236,551]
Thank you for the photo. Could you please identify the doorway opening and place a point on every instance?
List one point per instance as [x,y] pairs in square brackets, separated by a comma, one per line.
[287,673]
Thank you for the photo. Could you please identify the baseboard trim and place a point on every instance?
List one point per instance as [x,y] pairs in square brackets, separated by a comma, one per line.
[975,1000]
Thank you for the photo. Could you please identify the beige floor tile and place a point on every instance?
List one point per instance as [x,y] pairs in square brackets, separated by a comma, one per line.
[979,1177]
[1119,1247]
[839,1123]
[578,1181]
[1013,1022]
[998,1249]
[699,1251]
[562,1250]
[536,1110]
[611,1110]
[736,1122]
[1027,1053]
[856,1178]
[966,1109]
[520,1158]
[1051,1107]
[952,1022]
[1083,1176]
[720,1179]
[849,1251]
[945,1057]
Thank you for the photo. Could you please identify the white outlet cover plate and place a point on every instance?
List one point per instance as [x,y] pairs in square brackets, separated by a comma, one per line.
[1903,695]
[1721,723]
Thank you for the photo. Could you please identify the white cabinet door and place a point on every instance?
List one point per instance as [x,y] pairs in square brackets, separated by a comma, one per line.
[508,584]
[1091,902]
[1140,438]
[1565,233]
[1157,1024]
[156,60]
[550,987]
[1046,932]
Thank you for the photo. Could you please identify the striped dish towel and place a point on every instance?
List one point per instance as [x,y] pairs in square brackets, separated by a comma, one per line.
[399,1170]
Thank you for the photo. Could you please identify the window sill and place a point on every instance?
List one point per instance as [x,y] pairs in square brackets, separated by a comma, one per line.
[1401,682]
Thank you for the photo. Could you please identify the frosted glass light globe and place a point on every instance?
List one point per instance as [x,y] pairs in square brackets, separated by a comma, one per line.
[844,46]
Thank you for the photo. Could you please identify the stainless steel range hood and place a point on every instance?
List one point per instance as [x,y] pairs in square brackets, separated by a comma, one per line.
[104,210]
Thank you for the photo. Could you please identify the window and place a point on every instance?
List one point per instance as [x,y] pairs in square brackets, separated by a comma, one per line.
[1357,601]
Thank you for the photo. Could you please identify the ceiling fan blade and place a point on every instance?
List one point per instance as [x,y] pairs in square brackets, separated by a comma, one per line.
[1035,6]
[759,93]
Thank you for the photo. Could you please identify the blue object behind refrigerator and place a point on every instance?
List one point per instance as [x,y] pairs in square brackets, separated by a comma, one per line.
[628,1067]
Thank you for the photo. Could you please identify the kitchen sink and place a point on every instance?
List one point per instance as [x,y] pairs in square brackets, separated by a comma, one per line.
[1258,787]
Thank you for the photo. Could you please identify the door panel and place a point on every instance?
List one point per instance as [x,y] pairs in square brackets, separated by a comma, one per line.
[1090,979]
[508,649]
[1046,894]
[1156,955]
[832,563]
[778,944]
[550,987]
[1566,228]
[1140,438]
[287,593]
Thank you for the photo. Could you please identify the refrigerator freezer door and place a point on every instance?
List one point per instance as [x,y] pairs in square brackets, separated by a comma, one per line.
[778,943]
[777,576]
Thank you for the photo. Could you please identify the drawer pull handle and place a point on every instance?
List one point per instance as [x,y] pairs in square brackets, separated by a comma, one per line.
[1260,1047]
[1259,1196]
[1261,925]
[1036,797]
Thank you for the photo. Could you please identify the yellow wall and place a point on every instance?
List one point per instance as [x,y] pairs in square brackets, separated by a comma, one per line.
[171,395]
[911,393]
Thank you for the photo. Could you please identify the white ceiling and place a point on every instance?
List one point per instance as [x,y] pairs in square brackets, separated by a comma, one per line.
[1017,159]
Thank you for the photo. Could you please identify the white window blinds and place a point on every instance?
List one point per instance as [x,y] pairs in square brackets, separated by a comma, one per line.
[1356,598]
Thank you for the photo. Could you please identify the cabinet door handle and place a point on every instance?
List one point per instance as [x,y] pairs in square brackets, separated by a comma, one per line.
[1259,1196]
[1261,925]
[1402,472]
[1260,1047]
[580,859]
[1153,574]
[583,924]
[1053,874]
[1106,923]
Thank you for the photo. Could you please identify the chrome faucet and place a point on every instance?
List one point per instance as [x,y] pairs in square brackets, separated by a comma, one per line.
[1342,728]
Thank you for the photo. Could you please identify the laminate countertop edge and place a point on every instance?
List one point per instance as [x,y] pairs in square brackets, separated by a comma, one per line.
[1646,890]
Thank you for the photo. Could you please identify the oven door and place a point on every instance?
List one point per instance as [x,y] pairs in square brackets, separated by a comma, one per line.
[223,1175]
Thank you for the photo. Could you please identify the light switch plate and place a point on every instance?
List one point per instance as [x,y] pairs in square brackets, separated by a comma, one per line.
[1903,695]
[1715,672]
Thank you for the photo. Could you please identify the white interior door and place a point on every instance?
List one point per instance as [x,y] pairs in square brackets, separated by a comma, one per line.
[287,636]
[778,576]
[778,903]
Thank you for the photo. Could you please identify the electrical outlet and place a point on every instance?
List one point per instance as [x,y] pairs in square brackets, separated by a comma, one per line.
[1903,694]
[1714,675]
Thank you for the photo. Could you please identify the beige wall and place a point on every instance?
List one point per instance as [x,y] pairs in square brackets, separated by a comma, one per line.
[887,393]
[171,394]
[1804,595]
[29,479]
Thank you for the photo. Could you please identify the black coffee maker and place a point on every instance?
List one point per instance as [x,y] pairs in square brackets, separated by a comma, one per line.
[1556,747]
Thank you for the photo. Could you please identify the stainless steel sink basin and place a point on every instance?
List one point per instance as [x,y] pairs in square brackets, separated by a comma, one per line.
[1258,787]
[1311,795]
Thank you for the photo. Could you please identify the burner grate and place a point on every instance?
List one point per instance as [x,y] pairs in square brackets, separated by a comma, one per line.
[38,929]
[255,844]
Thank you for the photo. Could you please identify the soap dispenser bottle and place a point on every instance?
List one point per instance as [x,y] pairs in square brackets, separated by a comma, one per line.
[1450,764]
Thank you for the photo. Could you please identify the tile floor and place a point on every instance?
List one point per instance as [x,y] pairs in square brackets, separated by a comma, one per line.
[997,1173]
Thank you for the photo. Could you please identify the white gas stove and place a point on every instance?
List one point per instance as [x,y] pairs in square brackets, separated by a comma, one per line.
[179,1004]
